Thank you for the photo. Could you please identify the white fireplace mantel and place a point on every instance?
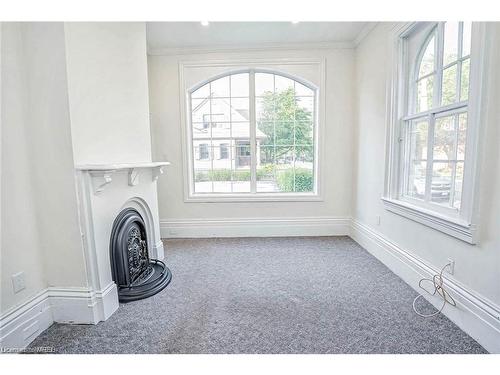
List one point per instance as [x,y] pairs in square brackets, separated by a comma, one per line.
[102,174]
[104,190]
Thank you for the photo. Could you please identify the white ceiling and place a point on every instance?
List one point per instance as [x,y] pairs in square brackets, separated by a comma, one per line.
[172,35]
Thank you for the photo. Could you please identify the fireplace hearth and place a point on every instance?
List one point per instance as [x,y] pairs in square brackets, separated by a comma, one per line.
[135,274]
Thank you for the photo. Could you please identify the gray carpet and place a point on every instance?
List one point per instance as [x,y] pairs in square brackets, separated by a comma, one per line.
[269,295]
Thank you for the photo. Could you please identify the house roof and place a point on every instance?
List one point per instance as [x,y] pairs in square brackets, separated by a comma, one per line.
[228,120]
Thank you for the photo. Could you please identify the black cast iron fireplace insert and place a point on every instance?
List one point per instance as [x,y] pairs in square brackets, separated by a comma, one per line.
[135,274]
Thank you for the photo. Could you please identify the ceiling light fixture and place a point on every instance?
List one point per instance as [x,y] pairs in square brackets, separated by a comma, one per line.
[204,23]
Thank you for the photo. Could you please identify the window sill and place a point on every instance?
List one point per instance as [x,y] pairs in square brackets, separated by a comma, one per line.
[250,198]
[456,228]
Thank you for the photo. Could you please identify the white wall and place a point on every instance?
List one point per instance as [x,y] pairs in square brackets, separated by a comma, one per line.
[477,267]
[20,243]
[108,92]
[40,222]
[337,138]
[51,155]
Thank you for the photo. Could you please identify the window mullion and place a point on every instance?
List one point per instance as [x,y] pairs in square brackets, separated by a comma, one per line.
[430,150]
[253,134]
[439,65]
[458,76]
[211,141]
[455,156]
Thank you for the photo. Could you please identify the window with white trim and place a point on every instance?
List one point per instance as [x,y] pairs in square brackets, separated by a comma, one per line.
[253,133]
[431,159]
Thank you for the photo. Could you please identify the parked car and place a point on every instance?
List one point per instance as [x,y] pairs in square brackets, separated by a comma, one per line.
[440,188]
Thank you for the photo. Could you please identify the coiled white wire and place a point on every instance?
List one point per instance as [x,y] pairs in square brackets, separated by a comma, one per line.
[437,282]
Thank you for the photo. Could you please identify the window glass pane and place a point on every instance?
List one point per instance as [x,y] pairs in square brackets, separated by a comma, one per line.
[221,110]
[417,161]
[466,41]
[202,92]
[464,80]
[450,53]
[283,84]
[285,174]
[459,180]
[441,182]
[427,61]
[303,133]
[425,92]
[284,136]
[301,90]
[224,151]
[240,130]
[265,132]
[220,87]
[444,138]
[462,133]
[200,110]
[265,108]
[220,175]
[240,173]
[304,109]
[221,130]
[449,85]
[264,84]
[239,85]
[240,110]
[266,171]
[416,179]
[202,183]
[304,179]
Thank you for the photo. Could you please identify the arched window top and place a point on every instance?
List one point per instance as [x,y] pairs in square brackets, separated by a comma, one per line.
[441,74]
[236,84]
[426,59]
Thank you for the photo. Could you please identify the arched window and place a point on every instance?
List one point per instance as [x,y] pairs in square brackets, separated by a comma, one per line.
[253,132]
[435,125]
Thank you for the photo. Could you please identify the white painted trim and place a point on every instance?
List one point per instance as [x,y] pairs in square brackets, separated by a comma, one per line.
[83,305]
[255,197]
[248,65]
[240,48]
[256,227]
[464,231]
[475,314]
[22,324]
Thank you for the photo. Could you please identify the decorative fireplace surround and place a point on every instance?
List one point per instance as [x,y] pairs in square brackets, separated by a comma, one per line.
[103,192]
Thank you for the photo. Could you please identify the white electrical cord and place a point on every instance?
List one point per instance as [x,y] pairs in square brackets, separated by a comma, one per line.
[437,282]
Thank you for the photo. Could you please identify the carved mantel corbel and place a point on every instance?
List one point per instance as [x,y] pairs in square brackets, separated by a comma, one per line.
[100,179]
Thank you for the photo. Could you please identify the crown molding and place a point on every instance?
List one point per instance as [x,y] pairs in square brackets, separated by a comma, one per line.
[153,51]
[367,29]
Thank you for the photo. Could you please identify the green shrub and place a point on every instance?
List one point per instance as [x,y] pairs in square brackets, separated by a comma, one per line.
[304,180]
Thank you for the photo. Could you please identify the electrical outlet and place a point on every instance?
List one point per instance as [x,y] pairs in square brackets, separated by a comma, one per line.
[451,268]
[18,282]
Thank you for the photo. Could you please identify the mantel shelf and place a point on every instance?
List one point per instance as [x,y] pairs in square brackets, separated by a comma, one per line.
[114,167]
[102,174]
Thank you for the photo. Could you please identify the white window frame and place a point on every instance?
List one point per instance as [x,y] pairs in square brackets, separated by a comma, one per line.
[461,223]
[252,67]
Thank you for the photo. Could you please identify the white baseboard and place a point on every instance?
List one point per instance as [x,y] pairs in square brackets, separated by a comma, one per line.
[24,323]
[476,315]
[256,227]
[20,326]
[82,305]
